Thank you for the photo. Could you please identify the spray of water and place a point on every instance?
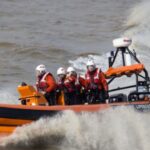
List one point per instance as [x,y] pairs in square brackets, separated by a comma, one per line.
[80,63]
[138,29]
[115,129]
[7,96]
[138,25]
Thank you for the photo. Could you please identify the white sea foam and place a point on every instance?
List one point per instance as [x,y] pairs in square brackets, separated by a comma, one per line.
[6,96]
[118,129]
[138,25]
[80,62]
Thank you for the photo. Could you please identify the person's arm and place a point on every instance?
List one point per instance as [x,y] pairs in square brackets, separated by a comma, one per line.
[103,81]
[72,79]
[51,83]
[37,86]
[104,84]
[82,81]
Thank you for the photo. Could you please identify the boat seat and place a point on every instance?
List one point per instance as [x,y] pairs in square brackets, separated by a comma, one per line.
[29,94]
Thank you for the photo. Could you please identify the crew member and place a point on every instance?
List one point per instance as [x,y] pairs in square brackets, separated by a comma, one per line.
[61,76]
[71,88]
[96,84]
[82,90]
[46,83]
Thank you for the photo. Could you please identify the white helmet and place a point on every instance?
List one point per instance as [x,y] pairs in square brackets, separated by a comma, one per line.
[40,69]
[70,69]
[61,70]
[90,63]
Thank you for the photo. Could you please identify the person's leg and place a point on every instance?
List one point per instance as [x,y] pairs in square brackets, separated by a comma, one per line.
[83,97]
[102,96]
[74,98]
[67,98]
[51,98]
[91,97]
[88,97]
[58,93]
[71,98]
[78,97]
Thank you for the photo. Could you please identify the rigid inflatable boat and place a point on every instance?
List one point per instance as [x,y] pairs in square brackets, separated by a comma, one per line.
[34,106]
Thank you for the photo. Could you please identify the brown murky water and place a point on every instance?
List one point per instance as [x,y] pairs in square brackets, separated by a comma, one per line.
[62,33]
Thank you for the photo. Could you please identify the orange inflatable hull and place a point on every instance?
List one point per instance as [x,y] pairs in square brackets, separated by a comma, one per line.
[12,116]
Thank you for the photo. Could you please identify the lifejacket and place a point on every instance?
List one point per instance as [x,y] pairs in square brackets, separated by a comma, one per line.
[70,83]
[42,83]
[60,84]
[93,78]
[80,83]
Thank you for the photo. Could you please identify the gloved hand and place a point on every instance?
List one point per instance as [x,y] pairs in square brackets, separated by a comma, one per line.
[58,91]
[43,92]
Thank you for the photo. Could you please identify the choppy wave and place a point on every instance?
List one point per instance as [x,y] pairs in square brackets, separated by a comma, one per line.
[115,129]
[80,62]
[6,96]
[7,45]
[138,25]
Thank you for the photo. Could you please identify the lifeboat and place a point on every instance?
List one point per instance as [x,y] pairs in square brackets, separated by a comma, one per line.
[33,105]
